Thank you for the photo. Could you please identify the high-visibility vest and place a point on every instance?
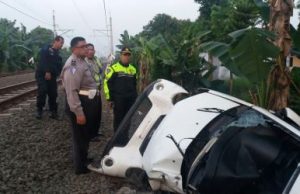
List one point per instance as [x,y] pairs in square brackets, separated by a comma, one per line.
[96,70]
[120,72]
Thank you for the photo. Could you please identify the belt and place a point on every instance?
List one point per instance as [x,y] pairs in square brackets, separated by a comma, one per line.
[88,92]
[84,92]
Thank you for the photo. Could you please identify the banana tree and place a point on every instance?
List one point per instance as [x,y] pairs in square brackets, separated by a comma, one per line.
[251,55]
[13,51]
[126,40]
[145,59]
[279,78]
[155,58]
[8,46]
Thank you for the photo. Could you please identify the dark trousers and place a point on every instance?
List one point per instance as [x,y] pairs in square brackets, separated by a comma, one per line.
[82,134]
[121,107]
[46,88]
[97,118]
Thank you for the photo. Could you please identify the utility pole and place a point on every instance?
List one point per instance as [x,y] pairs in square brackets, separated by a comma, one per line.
[111,36]
[54,25]
[108,30]
[55,30]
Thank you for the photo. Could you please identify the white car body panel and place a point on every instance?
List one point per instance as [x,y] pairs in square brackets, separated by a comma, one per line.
[296,187]
[129,156]
[161,154]
[161,159]
[294,116]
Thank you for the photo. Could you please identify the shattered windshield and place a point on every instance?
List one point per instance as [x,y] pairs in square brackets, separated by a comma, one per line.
[249,118]
[248,152]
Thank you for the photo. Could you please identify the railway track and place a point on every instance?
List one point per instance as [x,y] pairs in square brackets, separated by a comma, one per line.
[16,73]
[15,94]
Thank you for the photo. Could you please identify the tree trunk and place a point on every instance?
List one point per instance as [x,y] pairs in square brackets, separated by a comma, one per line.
[278,81]
[144,75]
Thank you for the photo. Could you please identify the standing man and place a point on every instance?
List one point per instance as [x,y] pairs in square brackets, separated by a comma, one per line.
[83,97]
[48,68]
[120,86]
[96,67]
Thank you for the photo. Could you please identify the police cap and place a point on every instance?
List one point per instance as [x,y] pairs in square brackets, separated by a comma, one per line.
[125,50]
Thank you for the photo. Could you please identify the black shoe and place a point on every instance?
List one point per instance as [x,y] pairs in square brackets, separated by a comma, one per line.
[82,171]
[39,114]
[54,115]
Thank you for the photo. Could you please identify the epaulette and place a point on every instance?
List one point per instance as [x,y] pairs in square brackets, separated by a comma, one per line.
[73,62]
[73,66]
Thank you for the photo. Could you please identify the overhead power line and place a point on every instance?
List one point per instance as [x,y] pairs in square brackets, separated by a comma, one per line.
[30,9]
[34,18]
[81,15]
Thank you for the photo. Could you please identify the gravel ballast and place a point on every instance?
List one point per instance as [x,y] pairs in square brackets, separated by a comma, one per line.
[36,156]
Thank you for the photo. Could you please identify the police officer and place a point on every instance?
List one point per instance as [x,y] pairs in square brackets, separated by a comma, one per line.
[83,98]
[48,68]
[97,68]
[120,86]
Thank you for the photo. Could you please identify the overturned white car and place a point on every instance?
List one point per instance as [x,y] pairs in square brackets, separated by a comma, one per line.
[206,143]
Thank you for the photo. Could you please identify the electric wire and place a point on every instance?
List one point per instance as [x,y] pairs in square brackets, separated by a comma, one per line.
[34,18]
[81,15]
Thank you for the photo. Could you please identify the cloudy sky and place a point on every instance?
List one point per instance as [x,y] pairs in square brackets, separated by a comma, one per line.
[87,17]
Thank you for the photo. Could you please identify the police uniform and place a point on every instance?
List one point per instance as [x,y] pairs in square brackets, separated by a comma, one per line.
[120,88]
[49,61]
[96,67]
[83,98]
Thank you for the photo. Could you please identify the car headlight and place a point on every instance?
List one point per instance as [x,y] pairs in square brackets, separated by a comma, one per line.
[159,87]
